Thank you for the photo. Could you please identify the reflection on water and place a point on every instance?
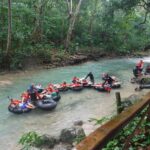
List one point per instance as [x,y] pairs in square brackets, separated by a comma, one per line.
[72,106]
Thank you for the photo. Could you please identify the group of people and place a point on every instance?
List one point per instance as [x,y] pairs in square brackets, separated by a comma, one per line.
[29,98]
[108,80]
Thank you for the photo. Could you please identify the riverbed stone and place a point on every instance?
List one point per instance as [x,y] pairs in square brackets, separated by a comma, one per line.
[68,135]
[132,98]
[50,141]
[71,135]
[62,146]
[78,123]
[129,101]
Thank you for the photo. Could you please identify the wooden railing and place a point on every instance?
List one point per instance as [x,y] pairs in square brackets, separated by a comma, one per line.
[101,136]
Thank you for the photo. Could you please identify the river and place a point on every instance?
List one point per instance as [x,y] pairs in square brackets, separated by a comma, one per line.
[72,106]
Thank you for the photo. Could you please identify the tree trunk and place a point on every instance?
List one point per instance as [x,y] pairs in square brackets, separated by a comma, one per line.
[8,46]
[71,25]
[7,55]
[38,30]
[92,21]
[2,21]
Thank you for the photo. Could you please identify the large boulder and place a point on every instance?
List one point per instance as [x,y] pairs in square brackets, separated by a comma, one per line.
[129,101]
[49,141]
[68,135]
[132,98]
[72,135]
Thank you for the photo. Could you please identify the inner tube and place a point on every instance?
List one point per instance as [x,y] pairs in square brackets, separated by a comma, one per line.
[55,96]
[147,70]
[116,85]
[101,88]
[16,109]
[147,73]
[85,83]
[135,72]
[46,104]
[146,86]
[76,87]
[61,88]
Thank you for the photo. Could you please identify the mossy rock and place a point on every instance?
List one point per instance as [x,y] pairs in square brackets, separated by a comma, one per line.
[145,80]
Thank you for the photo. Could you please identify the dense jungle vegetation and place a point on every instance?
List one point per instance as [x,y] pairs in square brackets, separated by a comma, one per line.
[39,28]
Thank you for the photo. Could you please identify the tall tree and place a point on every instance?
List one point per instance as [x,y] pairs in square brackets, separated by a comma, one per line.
[2,23]
[72,19]
[92,18]
[37,34]
[8,46]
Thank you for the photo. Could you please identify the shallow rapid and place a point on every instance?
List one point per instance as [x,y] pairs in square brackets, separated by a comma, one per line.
[72,106]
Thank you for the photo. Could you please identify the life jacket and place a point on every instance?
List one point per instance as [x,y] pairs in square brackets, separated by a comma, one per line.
[75,79]
[25,95]
[63,85]
[50,89]
[140,65]
[15,101]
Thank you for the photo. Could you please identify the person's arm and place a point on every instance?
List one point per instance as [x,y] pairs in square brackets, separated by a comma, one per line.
[86,76]
[104,82]
[22,100]
[38,95]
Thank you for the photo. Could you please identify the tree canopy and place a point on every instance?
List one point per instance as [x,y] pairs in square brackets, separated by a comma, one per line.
[38,27]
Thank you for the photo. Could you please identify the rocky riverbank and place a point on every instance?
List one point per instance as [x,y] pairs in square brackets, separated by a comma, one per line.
[82,57]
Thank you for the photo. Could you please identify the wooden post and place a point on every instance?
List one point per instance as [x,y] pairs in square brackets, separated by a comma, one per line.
[118,102]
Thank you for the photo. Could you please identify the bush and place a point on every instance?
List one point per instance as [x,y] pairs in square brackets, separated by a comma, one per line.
[31,139]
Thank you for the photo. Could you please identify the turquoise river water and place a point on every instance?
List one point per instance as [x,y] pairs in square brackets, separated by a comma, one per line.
[72,106]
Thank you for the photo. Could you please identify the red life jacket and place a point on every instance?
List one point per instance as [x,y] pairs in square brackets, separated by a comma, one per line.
[15,101]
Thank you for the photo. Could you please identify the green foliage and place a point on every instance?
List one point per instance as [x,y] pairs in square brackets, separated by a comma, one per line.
[39,27]
[141,139]
[30,139]
[98,121]
[79,138]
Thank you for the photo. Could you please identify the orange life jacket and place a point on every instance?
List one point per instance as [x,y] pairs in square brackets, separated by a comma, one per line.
[15,101]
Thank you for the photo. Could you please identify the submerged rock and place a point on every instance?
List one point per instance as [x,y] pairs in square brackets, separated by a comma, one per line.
[49,141]
[129,101]
[132,98]
[62,146]
[68,135]
[71,135]
[78,123]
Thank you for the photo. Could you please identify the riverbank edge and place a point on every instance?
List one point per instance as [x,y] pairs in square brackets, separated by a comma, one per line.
[70,60]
